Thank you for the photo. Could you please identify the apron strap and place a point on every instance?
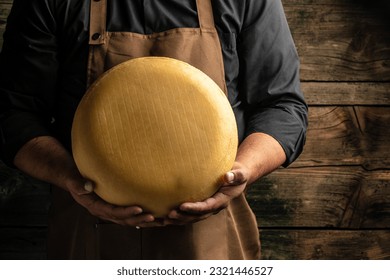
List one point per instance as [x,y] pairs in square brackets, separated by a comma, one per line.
[205,14]
[97,22]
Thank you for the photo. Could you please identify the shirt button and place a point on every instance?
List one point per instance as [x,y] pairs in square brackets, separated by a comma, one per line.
[96,36]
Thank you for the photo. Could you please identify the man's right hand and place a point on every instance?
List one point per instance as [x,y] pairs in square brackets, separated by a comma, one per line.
[82,192]
[46,159]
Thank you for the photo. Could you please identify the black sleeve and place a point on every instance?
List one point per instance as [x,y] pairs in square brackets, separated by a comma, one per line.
[28,73]
[269,77]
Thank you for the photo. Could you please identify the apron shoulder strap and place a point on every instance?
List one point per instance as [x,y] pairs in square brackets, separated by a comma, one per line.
[97,22]
[205,14]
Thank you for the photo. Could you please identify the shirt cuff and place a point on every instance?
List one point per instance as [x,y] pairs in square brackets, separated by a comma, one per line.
[283,127]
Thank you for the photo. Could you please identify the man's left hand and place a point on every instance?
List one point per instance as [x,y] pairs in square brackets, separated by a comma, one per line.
[234,183]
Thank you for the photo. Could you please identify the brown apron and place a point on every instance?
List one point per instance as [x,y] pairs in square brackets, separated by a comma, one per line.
[231,234]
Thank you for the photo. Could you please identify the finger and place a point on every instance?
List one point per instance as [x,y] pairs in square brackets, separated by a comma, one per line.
[82,188]
[235,177]
[219,200]
[88,186]
[213,204]
[155,223]
[161,222]
[128,215]
[119,212]
[179,218]
[141,220]
[131,215]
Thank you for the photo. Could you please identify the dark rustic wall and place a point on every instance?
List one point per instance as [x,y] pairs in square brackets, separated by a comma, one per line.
[334,202]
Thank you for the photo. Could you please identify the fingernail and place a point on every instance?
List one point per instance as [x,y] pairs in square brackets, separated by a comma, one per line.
[230,177]
[149,219]
[88,186]
[172,215]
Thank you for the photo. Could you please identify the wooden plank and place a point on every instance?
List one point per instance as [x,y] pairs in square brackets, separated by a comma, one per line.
[319,197]
[347,136]
[374,124]
[339,93]
[277,244]
[371,208]
[295,244]
[340,40]
[5,8]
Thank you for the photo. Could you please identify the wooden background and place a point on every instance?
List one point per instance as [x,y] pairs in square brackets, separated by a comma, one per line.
[334,202]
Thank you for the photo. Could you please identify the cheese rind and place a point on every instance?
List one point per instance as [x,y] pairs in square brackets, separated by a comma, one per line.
[154,132]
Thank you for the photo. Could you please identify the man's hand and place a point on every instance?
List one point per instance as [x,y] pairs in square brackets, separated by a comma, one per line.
[234,184]
[46,159]
[258,155]
[129,215]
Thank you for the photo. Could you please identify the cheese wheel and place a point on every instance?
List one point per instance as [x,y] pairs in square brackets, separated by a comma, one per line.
[154,132]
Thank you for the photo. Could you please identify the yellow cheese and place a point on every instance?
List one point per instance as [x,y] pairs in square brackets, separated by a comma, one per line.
[154,132]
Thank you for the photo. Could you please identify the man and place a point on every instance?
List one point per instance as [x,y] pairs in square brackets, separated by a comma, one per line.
[53,50]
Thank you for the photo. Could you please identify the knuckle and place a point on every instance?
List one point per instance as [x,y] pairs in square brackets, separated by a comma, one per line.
[241,177]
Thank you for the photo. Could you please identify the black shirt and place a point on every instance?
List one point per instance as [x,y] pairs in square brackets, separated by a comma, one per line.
[44,58]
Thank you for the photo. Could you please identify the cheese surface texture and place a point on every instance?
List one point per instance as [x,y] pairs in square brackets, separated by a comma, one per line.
[154,132]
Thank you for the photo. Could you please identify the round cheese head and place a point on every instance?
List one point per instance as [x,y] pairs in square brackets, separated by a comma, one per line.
[154,132]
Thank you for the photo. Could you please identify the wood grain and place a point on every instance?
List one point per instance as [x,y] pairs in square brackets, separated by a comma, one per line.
[5,8]
[302,244]
[334,201]
[340,40]
[349,136]
[346,93]
[322,197]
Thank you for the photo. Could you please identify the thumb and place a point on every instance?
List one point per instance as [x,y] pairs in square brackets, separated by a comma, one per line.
[88,186]
[80,186]
[84,188]
[235,177]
